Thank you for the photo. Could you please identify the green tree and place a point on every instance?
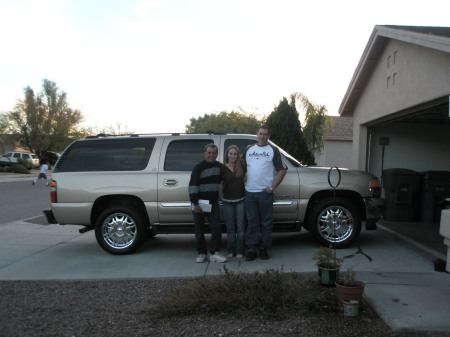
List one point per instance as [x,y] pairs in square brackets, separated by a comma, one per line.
[3,124]
[4,137]
[316,123]
[113,130]
[286,130]
[226,122]
[44,121]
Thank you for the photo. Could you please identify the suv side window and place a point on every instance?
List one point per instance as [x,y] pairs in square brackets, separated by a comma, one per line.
[183,155]
[242,144]
[127,154]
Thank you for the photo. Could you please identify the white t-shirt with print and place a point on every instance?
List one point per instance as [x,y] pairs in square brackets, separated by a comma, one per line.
[260,168]
[44,168]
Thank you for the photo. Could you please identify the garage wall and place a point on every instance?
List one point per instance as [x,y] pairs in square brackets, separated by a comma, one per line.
[418,147]
[406,75]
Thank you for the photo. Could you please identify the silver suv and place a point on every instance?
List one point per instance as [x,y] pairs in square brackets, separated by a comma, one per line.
[11,158]
[129,187]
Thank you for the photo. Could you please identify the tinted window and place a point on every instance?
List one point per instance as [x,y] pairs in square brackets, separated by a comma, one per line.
[127,154]
[25,156]
[242,144]
[16,155]
[291,159]
[183,155]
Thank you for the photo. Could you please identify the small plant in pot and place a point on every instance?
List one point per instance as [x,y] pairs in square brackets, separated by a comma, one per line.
[348,288]
[328,265]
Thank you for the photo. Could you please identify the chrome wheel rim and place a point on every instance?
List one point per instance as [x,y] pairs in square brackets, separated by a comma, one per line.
[119,231]
[335,224]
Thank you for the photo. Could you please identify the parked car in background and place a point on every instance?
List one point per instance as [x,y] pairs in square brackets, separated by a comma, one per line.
[12,158]
[50,157]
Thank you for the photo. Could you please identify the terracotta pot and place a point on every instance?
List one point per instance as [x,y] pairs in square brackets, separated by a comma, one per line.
[348,293]
[328,276]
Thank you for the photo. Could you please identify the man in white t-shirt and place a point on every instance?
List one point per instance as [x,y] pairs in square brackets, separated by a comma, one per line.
[265,171]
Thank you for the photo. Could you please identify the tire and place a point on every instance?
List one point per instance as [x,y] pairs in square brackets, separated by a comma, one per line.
[339,232]
[120,230]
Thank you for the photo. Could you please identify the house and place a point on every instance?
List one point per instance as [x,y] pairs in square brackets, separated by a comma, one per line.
[337,149]
[399,101]
[8,143]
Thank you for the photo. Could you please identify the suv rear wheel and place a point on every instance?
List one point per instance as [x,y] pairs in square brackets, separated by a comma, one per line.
[335,221]
[120,230]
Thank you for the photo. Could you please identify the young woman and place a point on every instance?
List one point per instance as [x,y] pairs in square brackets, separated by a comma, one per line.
[233,202]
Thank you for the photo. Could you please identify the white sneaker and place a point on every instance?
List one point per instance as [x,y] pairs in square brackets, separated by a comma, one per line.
[216,257]
[200,258]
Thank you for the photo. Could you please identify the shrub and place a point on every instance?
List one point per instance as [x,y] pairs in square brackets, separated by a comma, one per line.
[24,163]
[326,258]
[269,294]
[19,168]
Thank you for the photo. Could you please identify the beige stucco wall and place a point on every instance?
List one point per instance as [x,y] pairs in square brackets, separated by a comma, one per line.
[405,75]
[336,153]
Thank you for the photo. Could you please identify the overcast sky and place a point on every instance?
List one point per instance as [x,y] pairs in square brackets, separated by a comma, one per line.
[151,65]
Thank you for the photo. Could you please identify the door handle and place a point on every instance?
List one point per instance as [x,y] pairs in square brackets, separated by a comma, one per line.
[170,182]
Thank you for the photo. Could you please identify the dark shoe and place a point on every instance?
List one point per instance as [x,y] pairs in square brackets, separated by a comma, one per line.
[263,254]
[250,256]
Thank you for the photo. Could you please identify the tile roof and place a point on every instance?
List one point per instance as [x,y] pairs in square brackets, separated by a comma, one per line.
[342,128]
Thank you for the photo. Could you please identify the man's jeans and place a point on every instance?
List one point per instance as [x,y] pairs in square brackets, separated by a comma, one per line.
[259,209]
[234,216]
[214,225]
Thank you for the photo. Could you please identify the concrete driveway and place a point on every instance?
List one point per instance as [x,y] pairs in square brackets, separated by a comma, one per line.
[31,251]
[401,284]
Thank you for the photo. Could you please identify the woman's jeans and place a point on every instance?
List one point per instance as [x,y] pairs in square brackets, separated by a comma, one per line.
[234,216]
[215,227]
[259,209]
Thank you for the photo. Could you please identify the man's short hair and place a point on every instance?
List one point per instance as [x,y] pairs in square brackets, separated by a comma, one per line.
[211,145]
[265,127]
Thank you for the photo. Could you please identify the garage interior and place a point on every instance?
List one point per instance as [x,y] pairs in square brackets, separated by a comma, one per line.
[410,152]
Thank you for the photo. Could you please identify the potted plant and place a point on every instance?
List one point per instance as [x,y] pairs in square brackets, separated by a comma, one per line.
[328,265]
[348,288]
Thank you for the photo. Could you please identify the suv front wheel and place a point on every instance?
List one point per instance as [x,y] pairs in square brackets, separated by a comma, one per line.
[335,221]
[120,230]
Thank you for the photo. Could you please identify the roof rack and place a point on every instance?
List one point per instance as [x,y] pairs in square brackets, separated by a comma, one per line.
[104,135]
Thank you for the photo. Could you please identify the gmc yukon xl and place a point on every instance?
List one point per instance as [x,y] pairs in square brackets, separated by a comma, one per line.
[129,187]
